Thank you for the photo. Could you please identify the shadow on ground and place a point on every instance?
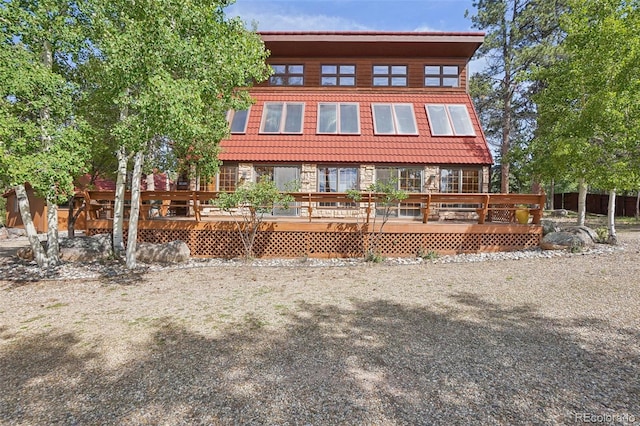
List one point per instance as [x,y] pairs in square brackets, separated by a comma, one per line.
[377,363]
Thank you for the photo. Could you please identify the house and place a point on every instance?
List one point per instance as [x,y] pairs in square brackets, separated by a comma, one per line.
[345,109]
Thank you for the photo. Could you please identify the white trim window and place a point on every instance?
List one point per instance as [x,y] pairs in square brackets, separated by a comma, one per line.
[394,119]
[282,117]
[238,120]
[339,118]
[449,120]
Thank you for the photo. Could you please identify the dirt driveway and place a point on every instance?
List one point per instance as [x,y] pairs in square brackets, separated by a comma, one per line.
[532,341]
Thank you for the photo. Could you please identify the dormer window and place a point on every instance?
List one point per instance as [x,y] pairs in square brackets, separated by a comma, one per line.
[282,117]
[390,75]
[441,76]
[338,75]
[287,75]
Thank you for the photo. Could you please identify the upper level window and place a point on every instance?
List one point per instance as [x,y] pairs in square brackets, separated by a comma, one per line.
[282,117]
[394,119]
[287,75]
[449,120]
[441,76]
[238,120]
[338,118]
[389,75]
[338,75]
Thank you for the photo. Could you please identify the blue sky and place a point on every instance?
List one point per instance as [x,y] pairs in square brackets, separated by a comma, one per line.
[355,15]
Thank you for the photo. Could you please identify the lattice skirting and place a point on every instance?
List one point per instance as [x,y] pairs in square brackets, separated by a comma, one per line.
[291,240]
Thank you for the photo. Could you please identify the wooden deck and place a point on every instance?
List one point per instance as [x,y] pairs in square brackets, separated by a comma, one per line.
[187,216]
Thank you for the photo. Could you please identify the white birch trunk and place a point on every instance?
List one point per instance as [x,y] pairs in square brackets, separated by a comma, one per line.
[53,245]
[611,218]
[118,206]
[135,210]
[582,201]
[25,213]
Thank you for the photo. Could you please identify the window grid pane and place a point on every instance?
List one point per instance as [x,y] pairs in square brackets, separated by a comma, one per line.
[438,120]
[383,119]
[390,75]
[337,179]
[338,75]
[239,121]
[287,75]
[449,180]
[227,178]
[470,181]
[441,76]
[405,119]
[461,121]
[327,118]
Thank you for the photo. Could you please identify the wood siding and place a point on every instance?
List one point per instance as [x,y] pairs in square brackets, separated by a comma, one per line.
[415,78]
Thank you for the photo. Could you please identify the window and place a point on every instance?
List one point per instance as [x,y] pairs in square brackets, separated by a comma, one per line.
[282,117]
[238,120]
[390,75]
[287,75]
[449,120]
[285,178]
[337,179]
[441,76]
[338,75]
[226,180]
[339,118]
[394,119]
[404,178]
[460,180]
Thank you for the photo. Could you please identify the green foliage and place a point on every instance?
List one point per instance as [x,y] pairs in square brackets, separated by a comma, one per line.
[589,114]
[41,136]
[387,198]
[427,254]
[374,257]
[170,70]
[248,205]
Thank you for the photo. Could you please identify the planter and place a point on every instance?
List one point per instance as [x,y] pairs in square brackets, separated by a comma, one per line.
[522,216]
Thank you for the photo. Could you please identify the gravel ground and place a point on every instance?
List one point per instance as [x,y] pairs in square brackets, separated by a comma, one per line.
[523,338]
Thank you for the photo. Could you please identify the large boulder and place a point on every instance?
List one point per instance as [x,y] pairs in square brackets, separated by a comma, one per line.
[561,241]
[549,226]
[85,249]
[588,236]
[172,252]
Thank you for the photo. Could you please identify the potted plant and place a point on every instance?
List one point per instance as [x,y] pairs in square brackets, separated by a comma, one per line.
[522,215]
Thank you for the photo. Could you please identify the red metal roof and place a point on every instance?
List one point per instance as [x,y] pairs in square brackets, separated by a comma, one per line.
[366,148]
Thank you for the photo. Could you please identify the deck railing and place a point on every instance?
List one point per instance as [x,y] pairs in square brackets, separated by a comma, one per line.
[192,204]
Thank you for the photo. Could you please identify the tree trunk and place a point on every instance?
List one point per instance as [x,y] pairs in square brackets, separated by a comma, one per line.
[638,206]
[53,246]
[552,195]
[611,218]
[118,206]
[135,210]
[25,213]
[582,201]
